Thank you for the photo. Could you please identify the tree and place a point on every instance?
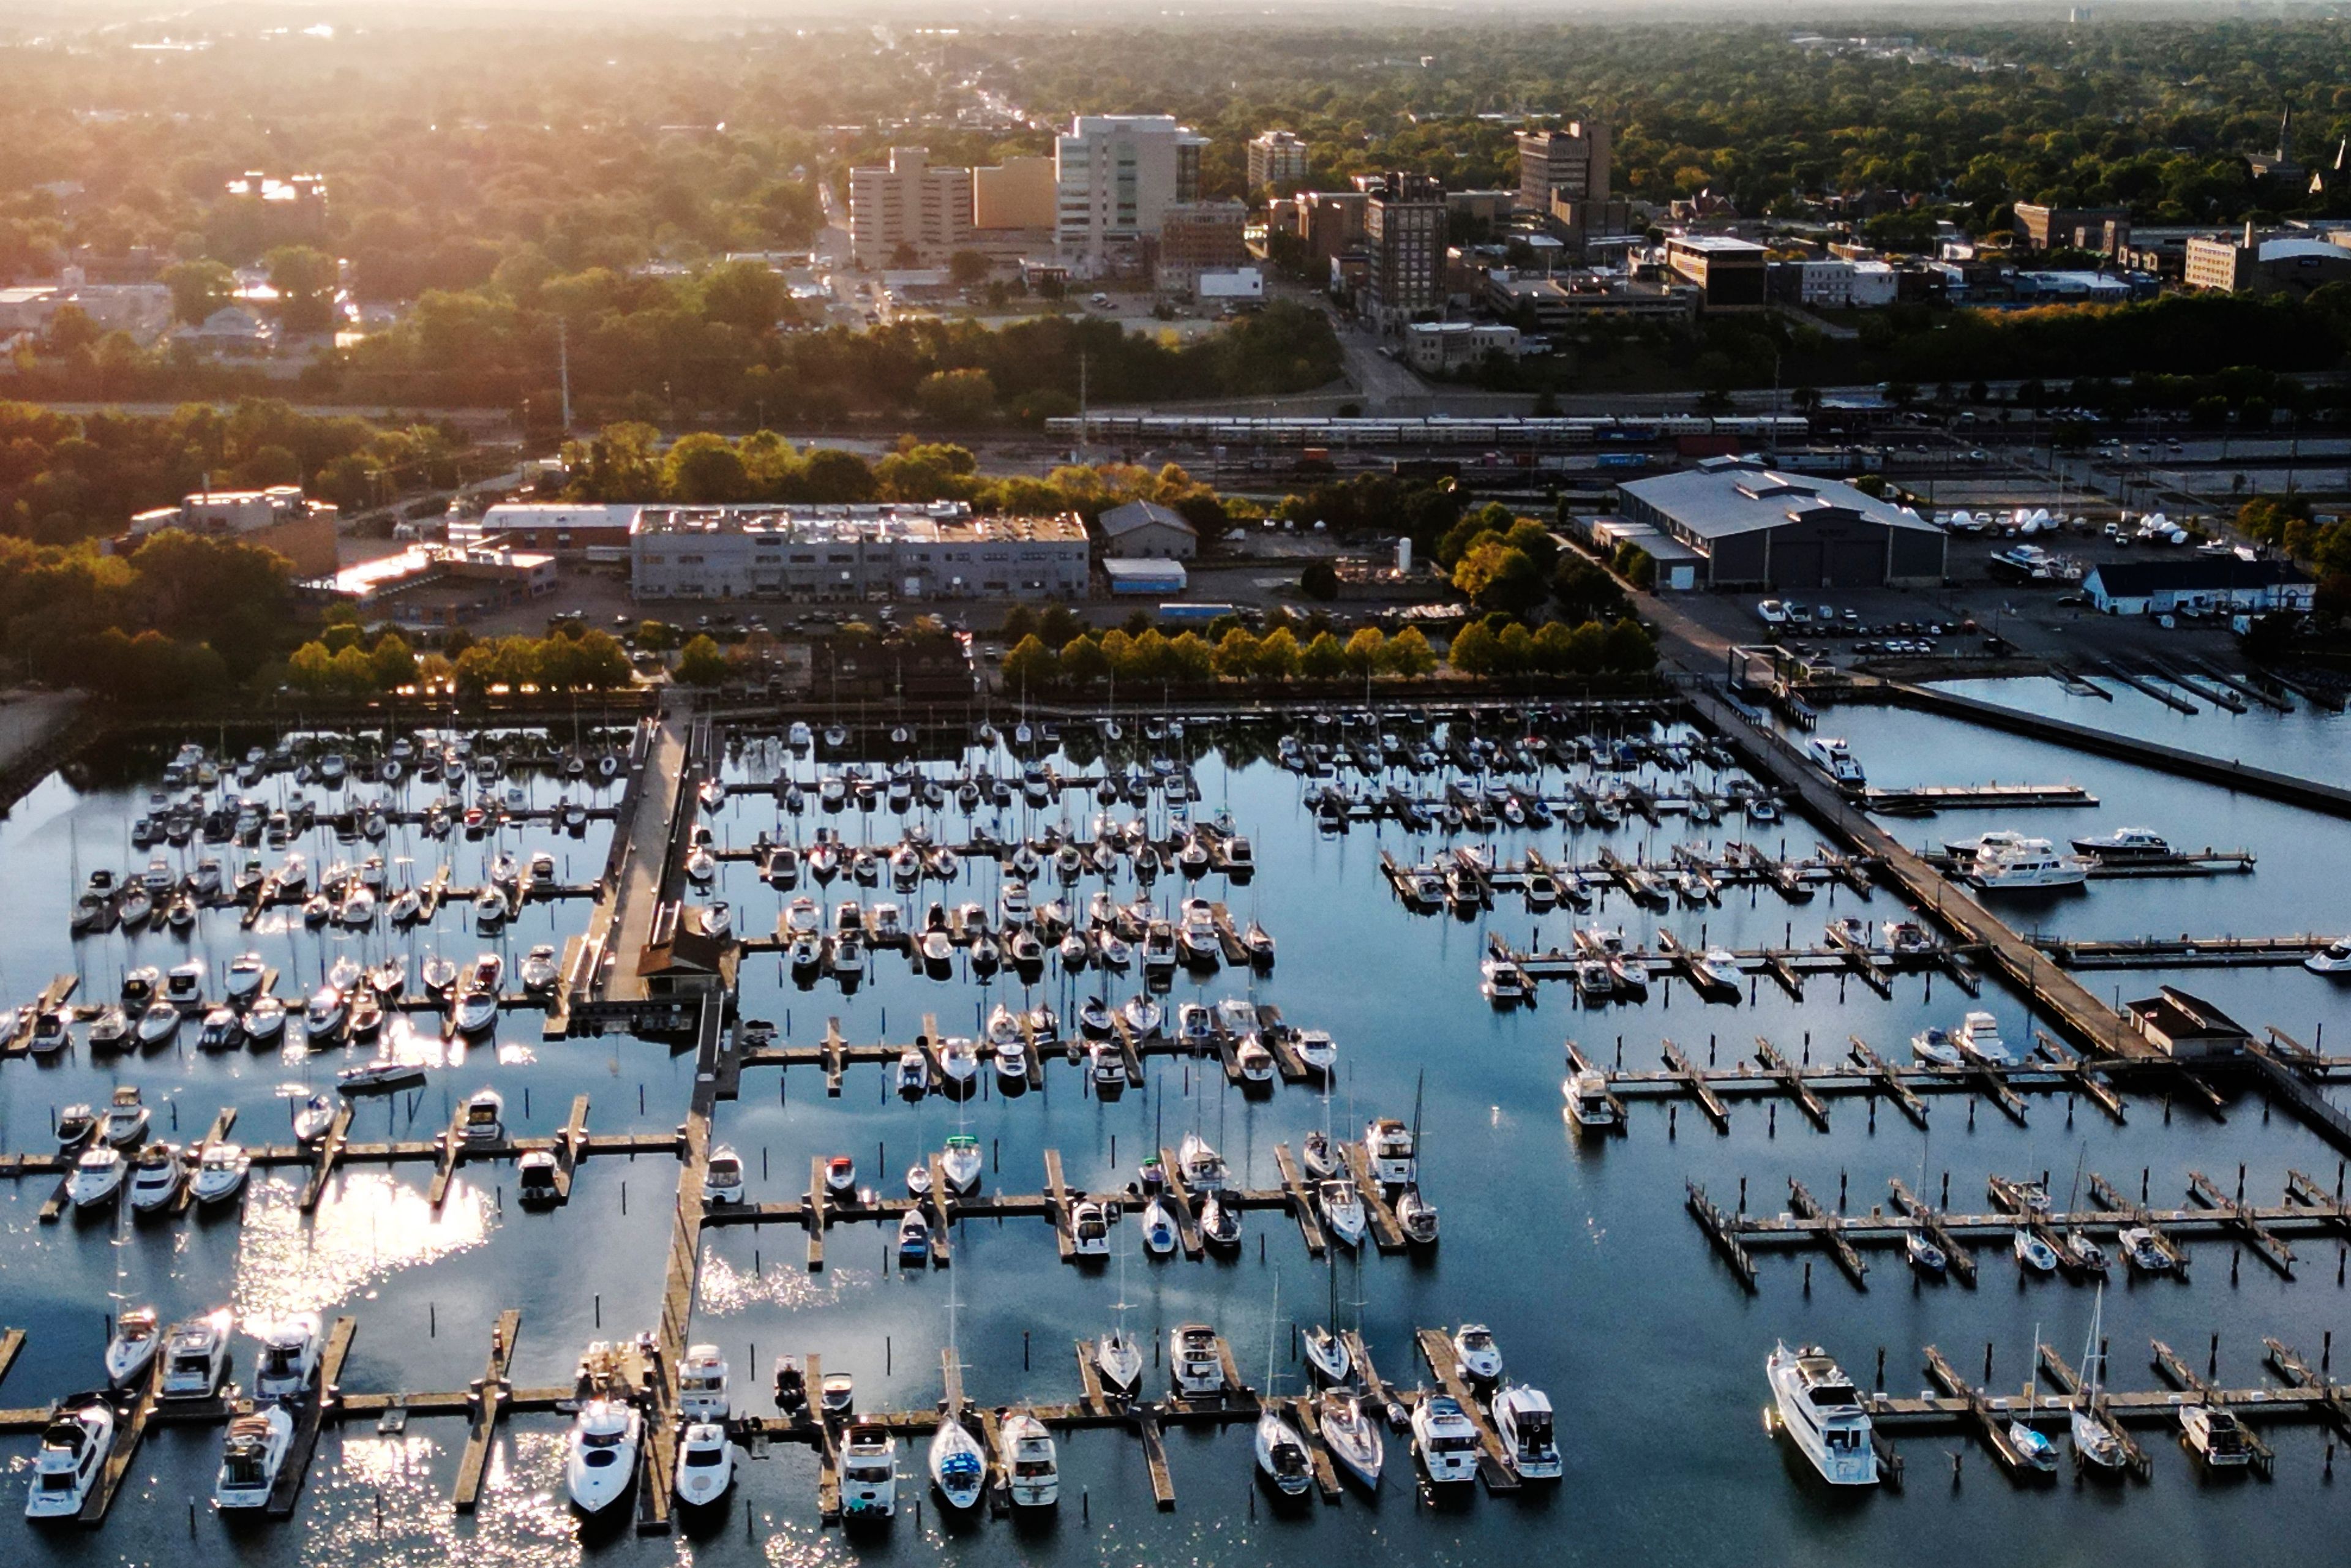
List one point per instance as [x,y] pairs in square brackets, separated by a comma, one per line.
[304,280]
[704,470]
[1366,651]
[967,269]
[1476,650]
[311,668]
[1189,659]
[1629,649]
[1408,655]
[1495,576]
[198,288]
[1083,662]
[394,663]
[1325,659]
[1320,580]
[1236,654]
[1019,621]
[960,398]
[1584,591]
[1493,517]
[1030,666]
[748,296]
[700,663]
[1534,541]
[1277,655]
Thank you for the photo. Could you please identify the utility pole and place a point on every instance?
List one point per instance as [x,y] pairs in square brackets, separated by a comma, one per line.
[563,366]
[1082,403]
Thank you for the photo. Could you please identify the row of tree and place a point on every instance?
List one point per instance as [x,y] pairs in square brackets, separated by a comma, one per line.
[338,664]
[1150,658]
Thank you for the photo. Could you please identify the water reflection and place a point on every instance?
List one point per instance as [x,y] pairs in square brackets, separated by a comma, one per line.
[383,1505]
[726,1288]
[368,1226]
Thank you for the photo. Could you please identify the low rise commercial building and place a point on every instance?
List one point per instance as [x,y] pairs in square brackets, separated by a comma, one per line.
[1729,274]
[2274,264]
[1754,525]
[1196,237]
[1558,301]
[2197,584]
[442,585]
[1435,347]
[570,530]
[1146,530]
[2105,230]
[1017,194]
[280,519]
[937,551]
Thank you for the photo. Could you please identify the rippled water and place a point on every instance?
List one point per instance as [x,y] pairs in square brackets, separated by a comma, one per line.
[1577,1253]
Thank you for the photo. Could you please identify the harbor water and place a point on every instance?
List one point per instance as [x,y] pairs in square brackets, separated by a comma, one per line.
[1574,1249]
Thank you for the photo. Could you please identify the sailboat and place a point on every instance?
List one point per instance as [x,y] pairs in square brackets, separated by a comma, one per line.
[2032,1447]
[958,1464]
[1280,1452]
[1117,1357]
[1325,1351]
[2094,1440]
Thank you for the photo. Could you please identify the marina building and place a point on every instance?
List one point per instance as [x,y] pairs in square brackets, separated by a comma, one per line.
[570,530]
[2197,584]
[1754,527]
[934,552]
[280,518]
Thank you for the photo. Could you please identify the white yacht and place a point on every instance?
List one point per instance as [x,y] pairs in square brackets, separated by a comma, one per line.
[196,1357]
[1388,1143]
[2216,1435]
[126,1118]
[1588,1100]
[1349,1435]
[722,1181]
[1031,1467]
[961,1162]
[1522,1418]
[1089,1232]
[1281,1453]
[1202,1167]
[156,1177]
[74,1449]
[2026,863]
[252,1453]
[131,1349]
[869,1472]
[2333,959]
[485,1117]
[602,1460]
[1478,1358]
[706,1464]
[97,1177]
[958,1465]
[1445,1441]
[1342,1210]
[1835,758]
[1194,1364]
[1935,1048]
[221,1173]
[1978,1036]
[288,1358]
[1822,1411]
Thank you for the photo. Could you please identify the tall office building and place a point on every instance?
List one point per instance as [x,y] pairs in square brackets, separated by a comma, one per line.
[1114,176]
[1563,176]
[1405,231]
[1277,161]
[911,202]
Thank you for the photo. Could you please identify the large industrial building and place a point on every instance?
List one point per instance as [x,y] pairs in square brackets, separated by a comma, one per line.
[864,552]
[1754,527]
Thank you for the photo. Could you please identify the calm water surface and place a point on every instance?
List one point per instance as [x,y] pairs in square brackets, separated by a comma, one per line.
[1577,1253]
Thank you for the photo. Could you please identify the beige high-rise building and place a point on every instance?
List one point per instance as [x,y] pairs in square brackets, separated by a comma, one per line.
[911,202]
[1115,175]
[1564,173]
[1017,194]
[1277,161]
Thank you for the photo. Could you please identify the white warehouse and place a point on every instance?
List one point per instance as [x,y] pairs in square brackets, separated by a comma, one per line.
[854,552]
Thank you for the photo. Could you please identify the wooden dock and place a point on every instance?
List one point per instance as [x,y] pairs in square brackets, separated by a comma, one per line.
[331,1150]
[1494,1461]
[489,1397]
[1805,1206]
[1302,1202]
[310,1416]
[1991,1420]
[2061,1372]
[1695,1085]
[131,1413]
[2177,1372]
[2182,952]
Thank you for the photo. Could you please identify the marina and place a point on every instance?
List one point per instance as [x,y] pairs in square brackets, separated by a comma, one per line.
[564,1130]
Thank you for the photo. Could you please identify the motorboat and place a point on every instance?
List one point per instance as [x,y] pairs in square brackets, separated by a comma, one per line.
[287,1361]
[485,1117]
[706,1464]
[140,984]
[1342,1210]
[245,974]
[539,969]
[76,1125]
[1281,1453]
[74,1449]
[111,1030]
[313,1115]
[324,1015]
[220,1172]
[159,1023]
[702,1385]
[97,1177]
[1089,1229]
[1350,1435]
[1416,1217]
[130,1349]
[1159,1229]
[1202,1167]
[2216,1435]
[1194,1365]
[1012,1065]
[1220,1223]
[601,1461]
[383,1074]
[2125,846]
[1924,1255]
[195,1358]
[869,1472]
[913,1238]
[183,984]
[156,1176]
[1118,1360]
[1821,1412]
[2024,864]
[2142,1251]
[840,1175]
[253,1450]
[790,1384]
[1388,1144]
[1030,1463]
[2083,1252]
[476,1009]
[960,1164]
[1978,1037]
[2334,959]
[1936,1048]
[1522,1419]
[1475,1355]
[265,1021]
[958,1465]
[1320,1155]
[537,1176]
[366,1014]
[126,1117]
[1252,1060]
[2036,1255]
[837,1396]
[1589,1101]
[1445,1441]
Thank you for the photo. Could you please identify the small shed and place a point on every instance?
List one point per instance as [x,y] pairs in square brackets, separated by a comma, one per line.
[2183,1025]
[1145,577]
[1146,530]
